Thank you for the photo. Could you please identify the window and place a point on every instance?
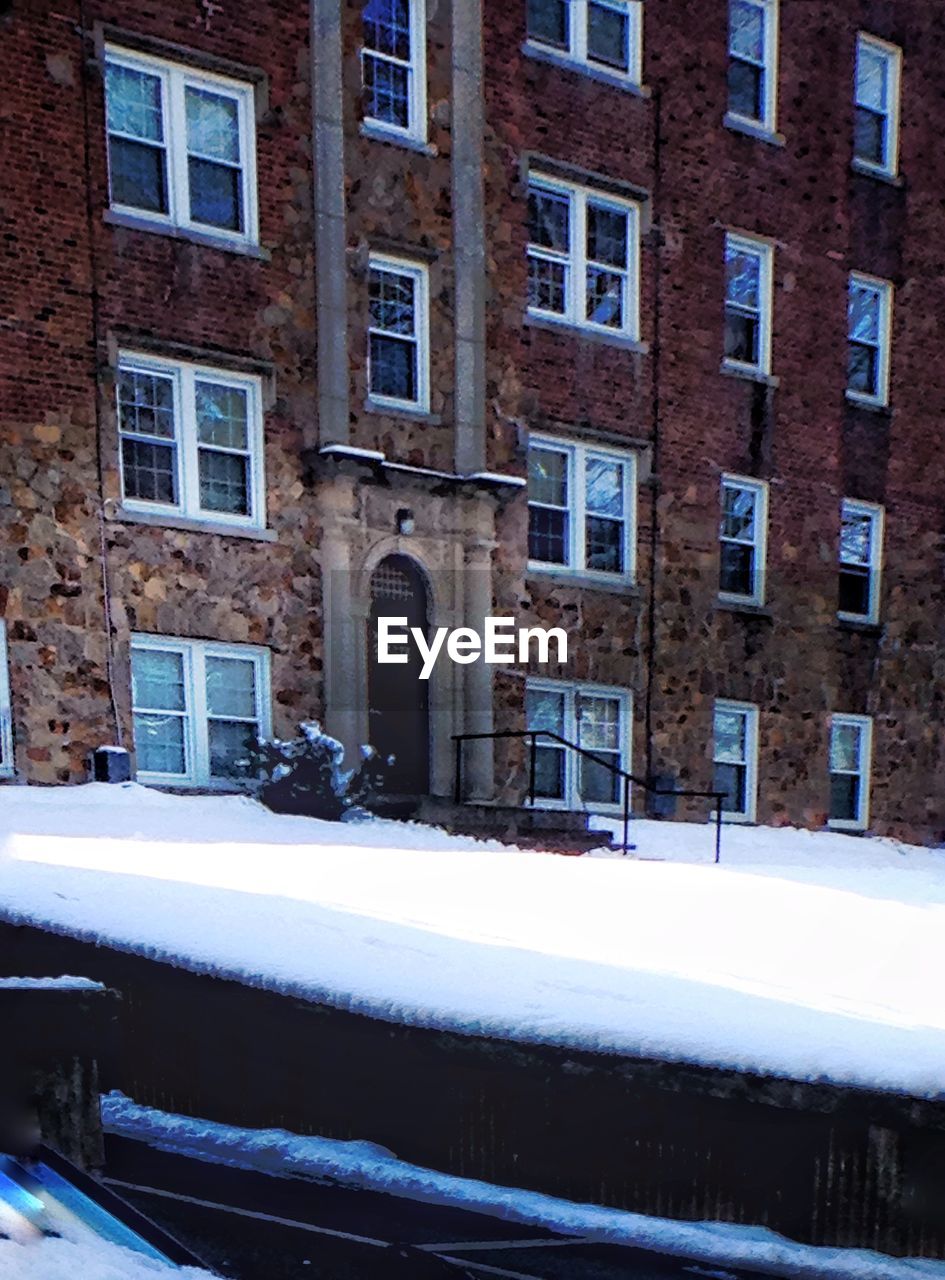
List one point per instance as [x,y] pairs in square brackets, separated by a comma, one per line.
[869,309]
[398,342]
[850,750]
[735,756]
[580,508]
[876,109]
[191,441]
[6,716]
[594,718]
[198,706]
[748,271]
[605,34]
[583,257]
[752,61]
[861,553]
[742,536]
[181,145]
[393,67]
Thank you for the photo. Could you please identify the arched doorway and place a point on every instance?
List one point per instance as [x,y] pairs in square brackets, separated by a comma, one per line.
[398,700]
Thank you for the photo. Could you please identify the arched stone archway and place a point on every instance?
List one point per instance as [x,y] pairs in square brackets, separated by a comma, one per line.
[398,700]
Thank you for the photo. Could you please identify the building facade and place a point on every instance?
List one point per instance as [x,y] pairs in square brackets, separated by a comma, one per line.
[611,315]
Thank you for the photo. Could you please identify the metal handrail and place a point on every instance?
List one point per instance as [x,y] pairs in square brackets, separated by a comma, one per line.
[534,734]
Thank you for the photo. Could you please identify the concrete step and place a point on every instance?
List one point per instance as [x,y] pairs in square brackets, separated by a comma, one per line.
[558,831]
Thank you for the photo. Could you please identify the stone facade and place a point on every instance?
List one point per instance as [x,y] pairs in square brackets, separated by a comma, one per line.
[79,574]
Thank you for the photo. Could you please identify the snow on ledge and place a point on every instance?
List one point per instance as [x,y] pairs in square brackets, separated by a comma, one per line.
[88,1259]
[63,983]
[369,1167]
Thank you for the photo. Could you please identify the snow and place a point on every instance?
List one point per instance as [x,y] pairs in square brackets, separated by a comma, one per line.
[808,956]
[370,1167]
[63,983]
[87,1259]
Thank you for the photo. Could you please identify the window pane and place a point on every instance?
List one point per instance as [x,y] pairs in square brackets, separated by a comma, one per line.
[598,784]
[598,722]
[224,482]
[605,298]
[548,21]
[607,235]
[855,538]
[604,481]
[215,194]
[231,687]
[732,780]
[854,595]
[603,545]
[157,679]
[387,27]
[133,103]
[608,30]
[549,772]
[221,415]
[213,126]
[544,709]
[870,78]
[844,797]
[549,220]
[146,404]
[731,736]
[386,92]
[137,175]
[863,369]
[845,748]
[392,301]
[869,136]
[738,513]
[746,90]
[743,278]
[159,744]
[747,30]
[548,535]
[548,476]
[149,471]
[547,285]
[741,337]
[863,313]
[393,368]
[736,570]
[230,743]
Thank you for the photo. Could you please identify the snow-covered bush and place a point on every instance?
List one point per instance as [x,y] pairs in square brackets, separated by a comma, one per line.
[304,775]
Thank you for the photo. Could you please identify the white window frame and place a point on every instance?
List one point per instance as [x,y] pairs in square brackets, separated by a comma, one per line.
[769,68]
[749,711]
[876,516]
[864,770]
[7,762]
[417,127]
[577,454]
[572,690]
[892,56]
[763,250]
[175,78]
[576,262]
[577,48]
[760,543]
[420,275]
[185,375]
[883,290]
[194,654]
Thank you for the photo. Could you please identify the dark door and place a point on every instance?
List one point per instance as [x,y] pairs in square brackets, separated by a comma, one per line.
[398,700]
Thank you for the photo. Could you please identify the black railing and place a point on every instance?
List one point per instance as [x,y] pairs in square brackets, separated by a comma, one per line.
[626,778]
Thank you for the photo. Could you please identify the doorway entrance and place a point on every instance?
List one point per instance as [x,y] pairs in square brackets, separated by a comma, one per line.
[398,700]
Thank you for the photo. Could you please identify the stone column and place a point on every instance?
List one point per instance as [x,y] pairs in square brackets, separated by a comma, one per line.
[345,669]
[469,249]
[478,692]
[328,159]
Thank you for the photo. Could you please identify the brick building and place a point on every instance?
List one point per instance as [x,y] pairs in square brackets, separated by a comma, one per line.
[295,299]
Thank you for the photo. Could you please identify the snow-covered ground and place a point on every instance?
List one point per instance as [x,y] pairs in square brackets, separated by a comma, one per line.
[367,1166]
[809,956]
[86,1259]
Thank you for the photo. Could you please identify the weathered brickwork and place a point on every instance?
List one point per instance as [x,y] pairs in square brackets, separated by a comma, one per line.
[78,575]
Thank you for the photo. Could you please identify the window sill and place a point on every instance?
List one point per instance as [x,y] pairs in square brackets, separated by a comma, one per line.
[868,403]
[190,524]
[847,827]
[135,222]
[874,171]
[402,411]
[864,626]
[381,133]
[753,129]
[584,331]
[559,58]
[581,581]
[732,604]
[748,374]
